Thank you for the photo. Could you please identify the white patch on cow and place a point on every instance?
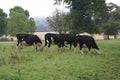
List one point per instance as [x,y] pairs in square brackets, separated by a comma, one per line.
[84,46]
[24,43]
[52,40]
[47,41]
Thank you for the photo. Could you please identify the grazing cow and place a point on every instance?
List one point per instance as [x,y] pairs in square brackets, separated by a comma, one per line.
[51,38]
[28,39]
[48,39]
[88,41]
[69,39]
[59,39]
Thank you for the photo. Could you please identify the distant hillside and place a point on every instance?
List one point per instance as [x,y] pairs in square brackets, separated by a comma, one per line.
[41,24]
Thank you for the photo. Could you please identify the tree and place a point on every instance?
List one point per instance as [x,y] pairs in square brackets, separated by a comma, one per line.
[85,15]
[66,22]
[112,27]
[55,22]
[32,26]
[19,10]
[19,22]
[3,22]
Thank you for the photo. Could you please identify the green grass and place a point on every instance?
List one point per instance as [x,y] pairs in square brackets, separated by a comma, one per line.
[53,65]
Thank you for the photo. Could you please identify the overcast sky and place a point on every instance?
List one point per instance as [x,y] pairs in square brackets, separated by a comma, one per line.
[36,8]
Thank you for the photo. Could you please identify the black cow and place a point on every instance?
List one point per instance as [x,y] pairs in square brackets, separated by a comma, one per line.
[51,38]
[59,39]
[48,39]
[28,39]
[88,41]
[69,39]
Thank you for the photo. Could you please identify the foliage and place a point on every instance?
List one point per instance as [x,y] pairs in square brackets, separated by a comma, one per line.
[112,26]
[85,16]
[32,26]
[19,21]
[19,9]
[56,21]
[53,65]
[3,22]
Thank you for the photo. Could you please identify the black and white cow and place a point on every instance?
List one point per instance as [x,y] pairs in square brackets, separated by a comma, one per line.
[28,39]
[88,41]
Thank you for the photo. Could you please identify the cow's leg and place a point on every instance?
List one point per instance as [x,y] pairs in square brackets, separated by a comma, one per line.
[49,44]
[75,45]
[75,48]
[70,46]
[39,45]
[81,45]
[59,47]
[63,47]
[18,47]
[35,46]
[44,45]
[89,48]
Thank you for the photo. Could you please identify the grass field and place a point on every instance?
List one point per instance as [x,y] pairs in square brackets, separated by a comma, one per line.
[53,65]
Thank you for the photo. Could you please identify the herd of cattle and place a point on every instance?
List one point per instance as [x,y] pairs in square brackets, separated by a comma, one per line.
[61,40]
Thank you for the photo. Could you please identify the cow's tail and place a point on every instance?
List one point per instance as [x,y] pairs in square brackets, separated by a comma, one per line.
[45,42]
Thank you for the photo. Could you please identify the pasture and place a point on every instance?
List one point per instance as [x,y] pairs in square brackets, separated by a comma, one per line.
[53,65]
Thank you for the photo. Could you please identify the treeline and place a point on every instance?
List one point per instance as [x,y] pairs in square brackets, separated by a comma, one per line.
[91,16]
[18,21]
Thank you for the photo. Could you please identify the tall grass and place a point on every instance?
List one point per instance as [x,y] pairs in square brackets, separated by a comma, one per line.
[54,65]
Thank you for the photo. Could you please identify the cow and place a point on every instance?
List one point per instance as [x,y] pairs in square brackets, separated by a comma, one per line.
[69,39]
[48,39]
[51,38]
[59,39]
[88,41]
[28,39]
